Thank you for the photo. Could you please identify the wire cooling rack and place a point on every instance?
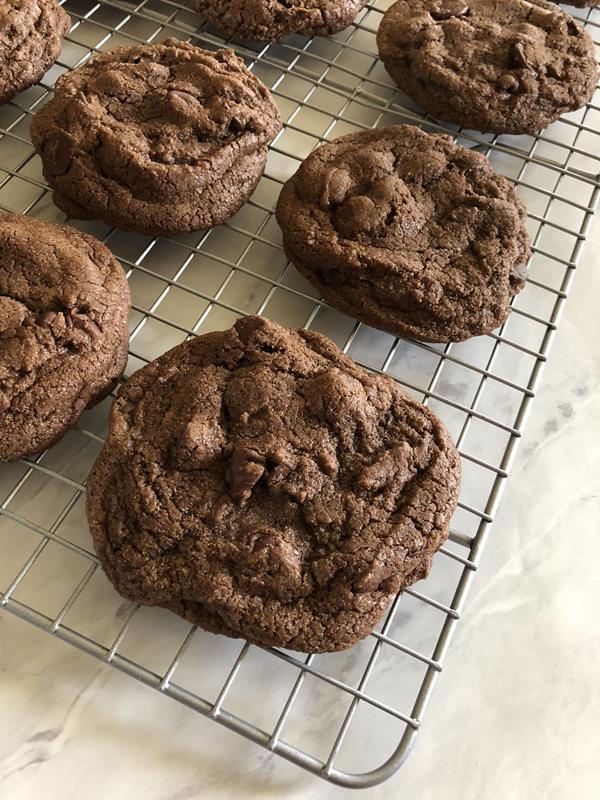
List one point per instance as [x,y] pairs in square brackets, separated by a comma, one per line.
[316,711]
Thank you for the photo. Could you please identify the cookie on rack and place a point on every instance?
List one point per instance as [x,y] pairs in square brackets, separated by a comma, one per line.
[407,232]
[509,67]
[64,302]
[31,34]
[272,20]
[259,483]
[159,139]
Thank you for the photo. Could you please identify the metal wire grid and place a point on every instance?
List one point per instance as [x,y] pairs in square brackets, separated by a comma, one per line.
[315,710]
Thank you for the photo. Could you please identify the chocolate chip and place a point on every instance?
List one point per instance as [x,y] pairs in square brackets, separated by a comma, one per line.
[236,125]
[509,83]
[518,55]
[246,468]
[450,10]
[58,155]
[553,71]
[186,97]
[200,443]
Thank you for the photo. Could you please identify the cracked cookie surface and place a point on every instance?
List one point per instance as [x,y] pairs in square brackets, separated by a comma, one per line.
[31,34]
[271,20]
[407,232]
[500,67]
[158,139]
[64,302]
[260,484]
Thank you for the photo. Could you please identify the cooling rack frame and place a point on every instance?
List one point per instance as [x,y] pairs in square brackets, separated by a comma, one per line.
[324,87]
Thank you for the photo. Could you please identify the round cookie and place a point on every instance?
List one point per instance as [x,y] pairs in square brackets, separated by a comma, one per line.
[407,232]
[271,20]
[64,302]
[260,484]
[160,139]
[509,67]
[31,34]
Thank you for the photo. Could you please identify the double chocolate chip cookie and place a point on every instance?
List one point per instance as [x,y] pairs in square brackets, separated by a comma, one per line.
[501,67]
[260,484]
[271,20]
[64,302]
[407,232]
[159,139]
[31,34]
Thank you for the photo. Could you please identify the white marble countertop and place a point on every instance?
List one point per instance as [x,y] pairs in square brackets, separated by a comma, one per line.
[516,713]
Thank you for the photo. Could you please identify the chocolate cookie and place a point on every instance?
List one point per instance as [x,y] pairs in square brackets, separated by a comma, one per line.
[159,139]
[509,67]
[31,34]
[63,330]
[260,484]
[407,232]
[271,20]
